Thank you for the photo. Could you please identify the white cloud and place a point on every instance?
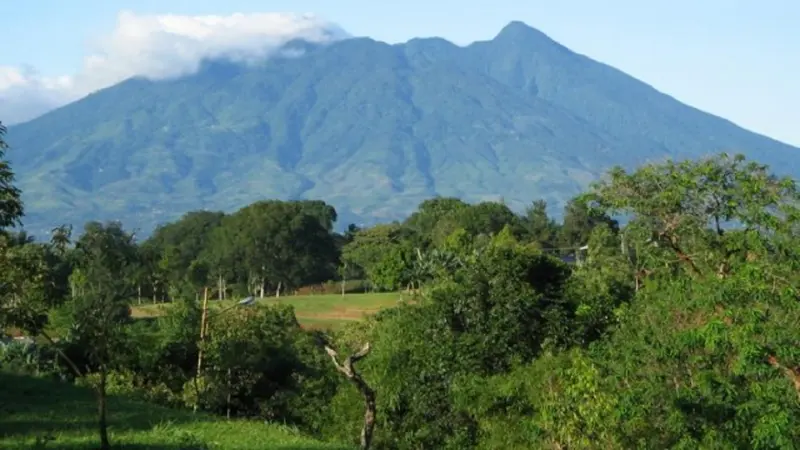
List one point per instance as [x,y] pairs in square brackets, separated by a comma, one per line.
[158,47]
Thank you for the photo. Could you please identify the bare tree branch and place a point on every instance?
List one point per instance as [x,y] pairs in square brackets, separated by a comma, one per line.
[347,369]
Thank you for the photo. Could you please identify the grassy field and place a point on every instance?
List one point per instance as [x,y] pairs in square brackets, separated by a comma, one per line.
[64,416]
[313,311]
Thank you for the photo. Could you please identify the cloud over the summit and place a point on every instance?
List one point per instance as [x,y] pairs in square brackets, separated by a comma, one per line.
[157,47]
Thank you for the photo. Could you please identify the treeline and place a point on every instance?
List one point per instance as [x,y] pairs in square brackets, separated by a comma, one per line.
[678,330]
[273,247]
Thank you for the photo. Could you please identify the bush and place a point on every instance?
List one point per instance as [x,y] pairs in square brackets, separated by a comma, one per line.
[24,358]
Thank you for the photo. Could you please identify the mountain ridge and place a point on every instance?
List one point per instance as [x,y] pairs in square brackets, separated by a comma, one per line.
[372,128]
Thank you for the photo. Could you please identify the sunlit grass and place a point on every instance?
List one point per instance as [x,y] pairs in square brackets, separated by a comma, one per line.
[315,311]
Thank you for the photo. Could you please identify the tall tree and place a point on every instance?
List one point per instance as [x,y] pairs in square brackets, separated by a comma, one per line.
[105,256]
[11,212]
[179,244]
[11,209]
[282,245]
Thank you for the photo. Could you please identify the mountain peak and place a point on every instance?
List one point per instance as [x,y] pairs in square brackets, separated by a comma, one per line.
[519,32]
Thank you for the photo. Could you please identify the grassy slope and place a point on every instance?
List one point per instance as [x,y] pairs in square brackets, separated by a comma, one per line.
[31,408]
[318,311]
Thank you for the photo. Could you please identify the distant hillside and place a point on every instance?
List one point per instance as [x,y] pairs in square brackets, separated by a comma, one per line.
[369,127]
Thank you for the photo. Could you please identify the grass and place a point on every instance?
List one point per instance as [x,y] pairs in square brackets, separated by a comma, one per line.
[37,413]
[312,311]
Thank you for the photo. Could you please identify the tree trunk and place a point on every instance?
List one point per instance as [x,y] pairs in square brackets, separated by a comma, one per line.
[220,288]
[278,289]
[102,410]
[139,293]
[60,352]
[228,399]
[261,288]
[370,407]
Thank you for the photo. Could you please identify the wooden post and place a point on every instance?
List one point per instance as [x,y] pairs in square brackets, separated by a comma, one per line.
[344,279]
[203,320]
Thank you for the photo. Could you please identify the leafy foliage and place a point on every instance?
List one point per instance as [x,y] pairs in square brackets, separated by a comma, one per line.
[10,196]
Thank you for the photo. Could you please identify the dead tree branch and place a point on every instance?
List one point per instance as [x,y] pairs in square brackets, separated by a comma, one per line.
[347,369]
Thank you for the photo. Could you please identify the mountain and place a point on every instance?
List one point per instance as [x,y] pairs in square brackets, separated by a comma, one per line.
[369,127]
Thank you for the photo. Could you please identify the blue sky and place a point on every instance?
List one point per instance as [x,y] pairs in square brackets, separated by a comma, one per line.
[736,58]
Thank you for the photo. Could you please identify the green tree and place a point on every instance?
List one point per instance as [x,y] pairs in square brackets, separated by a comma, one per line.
[259,363]
[323,212]
[579,221]
[223,256]
[11,212]
[539,227]
[180,244]
[11,208]
[368,246]
[488,218]
[282,245]
[105,255]
[434,219]
[394,270]
[705,217]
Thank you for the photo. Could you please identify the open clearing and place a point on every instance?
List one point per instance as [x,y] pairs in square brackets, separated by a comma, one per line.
[312,311]
[64,415]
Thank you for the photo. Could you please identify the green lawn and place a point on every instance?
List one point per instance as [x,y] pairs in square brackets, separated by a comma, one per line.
[313,311]
[33,409]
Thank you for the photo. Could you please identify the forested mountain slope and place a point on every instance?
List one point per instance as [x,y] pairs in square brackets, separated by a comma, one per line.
[369,127]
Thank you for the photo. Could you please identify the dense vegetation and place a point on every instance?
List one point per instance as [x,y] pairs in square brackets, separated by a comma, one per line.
[677,329]
[370,128]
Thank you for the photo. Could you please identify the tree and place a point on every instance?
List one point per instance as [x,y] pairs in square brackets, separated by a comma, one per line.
[222,257]
[105,256]
[282,245]
[181,243]
[11,212]
[256,363]
[368,247]
[431,215]
[704,217]
[579,221]
[11,208]
[323,212]
[538,226]
[487,218]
